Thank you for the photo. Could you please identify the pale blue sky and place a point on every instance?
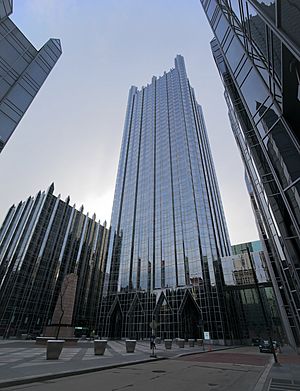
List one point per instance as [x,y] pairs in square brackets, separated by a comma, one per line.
[72,132]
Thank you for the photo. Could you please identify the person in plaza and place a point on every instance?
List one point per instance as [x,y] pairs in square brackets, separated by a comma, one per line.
[152,342]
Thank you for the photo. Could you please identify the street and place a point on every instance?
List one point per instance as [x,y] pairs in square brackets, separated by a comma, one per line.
[234,370]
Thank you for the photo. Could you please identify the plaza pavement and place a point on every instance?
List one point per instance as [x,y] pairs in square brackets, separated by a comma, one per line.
[238,369]
[25,362]
[222,368]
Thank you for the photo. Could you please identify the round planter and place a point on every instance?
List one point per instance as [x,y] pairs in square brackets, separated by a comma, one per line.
[168,343]
[99,346]
[54,348]
[180,342]
[199,342]
[191,343]
[130,345]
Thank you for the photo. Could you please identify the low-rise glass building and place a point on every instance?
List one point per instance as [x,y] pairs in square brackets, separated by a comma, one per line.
[42,240]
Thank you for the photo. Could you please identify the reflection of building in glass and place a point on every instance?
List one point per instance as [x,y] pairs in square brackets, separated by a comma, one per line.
[257,53]
[23,70]
[241,293]
[42,240]
[243,274]
[237,268]
[243,263]
[168,229]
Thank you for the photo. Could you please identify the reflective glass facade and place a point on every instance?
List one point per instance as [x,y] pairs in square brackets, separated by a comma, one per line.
[243,278]
[168,229]
[255,246]
[272,253]
[42,240]
[23,70]
[257,52]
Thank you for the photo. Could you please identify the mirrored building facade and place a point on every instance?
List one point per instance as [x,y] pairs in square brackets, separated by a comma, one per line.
[271,256]
[23,70]
[251,301]
[256,49]
[168,230]
[42,240]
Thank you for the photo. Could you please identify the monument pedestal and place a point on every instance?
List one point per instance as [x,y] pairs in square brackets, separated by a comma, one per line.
[65,331]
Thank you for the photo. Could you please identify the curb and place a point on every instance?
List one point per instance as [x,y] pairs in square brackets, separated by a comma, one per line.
[204,351]
[262,380]
[50,376]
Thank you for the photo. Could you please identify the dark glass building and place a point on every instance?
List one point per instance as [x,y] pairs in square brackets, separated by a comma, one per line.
[268,239]
[257,52]
[23,70]
[168,231]
[42,240]
[250,299]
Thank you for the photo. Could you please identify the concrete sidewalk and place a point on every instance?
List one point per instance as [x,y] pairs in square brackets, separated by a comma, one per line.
[237,369]
[25,362]
[286,374]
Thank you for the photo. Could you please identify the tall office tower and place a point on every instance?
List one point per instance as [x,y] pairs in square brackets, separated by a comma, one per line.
[42,240]
[168,228]
[257,52]
[23,70]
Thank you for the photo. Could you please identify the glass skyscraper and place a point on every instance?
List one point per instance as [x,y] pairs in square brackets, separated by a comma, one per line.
[43,240]
[257,52]
[23,70]
[168,230]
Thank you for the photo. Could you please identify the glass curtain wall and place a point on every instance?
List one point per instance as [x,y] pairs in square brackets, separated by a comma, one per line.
[23,70]
[258,60]
[42,240]
[168,229]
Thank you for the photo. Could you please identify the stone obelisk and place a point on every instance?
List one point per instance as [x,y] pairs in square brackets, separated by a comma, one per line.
[61,323]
